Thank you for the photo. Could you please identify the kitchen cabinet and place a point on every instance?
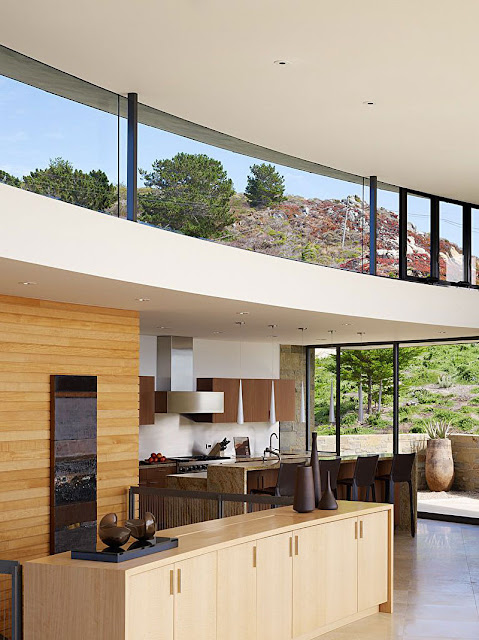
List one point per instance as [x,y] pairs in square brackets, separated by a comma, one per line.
[147,400]
[309,580]
[283,576]
[372,560]
[256,399]
[150,598]
[261,478]
[340,567]
[285,400]
[274,587]
[236,618]
[256,395]
[230,387]
[156,475]
[195,598]
[176,602]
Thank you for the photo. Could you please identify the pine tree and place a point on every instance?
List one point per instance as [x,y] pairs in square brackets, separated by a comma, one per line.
[265,186]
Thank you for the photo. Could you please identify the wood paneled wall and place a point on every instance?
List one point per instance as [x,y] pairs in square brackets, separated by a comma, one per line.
[37,339]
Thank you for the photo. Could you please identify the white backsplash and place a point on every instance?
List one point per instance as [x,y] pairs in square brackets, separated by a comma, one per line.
[175,435]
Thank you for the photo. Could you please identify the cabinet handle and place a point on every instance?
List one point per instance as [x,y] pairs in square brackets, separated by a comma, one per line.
[356,530]
[179,580]
[291,547]
[172,583]
[254,557]
[361,529]
[296,545]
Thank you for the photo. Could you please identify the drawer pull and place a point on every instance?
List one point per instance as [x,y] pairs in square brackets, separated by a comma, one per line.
[291,547]
[254,556]
[172,583]
[356,530]
[296,545]
[361,529]
[179,580]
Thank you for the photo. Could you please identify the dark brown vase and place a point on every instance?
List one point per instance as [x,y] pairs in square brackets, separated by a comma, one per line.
[315,468]
[304,501]
[328,501]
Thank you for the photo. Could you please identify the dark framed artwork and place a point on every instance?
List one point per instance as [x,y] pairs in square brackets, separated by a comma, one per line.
[73,463]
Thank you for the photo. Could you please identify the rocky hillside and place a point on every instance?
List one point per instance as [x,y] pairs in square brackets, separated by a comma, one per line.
[332,233]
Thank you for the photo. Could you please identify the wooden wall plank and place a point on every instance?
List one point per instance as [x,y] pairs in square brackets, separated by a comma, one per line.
[37,339]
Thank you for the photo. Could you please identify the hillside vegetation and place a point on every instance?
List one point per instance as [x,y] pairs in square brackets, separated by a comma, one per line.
[438,383]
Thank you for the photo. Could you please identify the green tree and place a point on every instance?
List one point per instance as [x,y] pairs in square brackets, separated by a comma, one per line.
[60,180]
[7,178]
[189,193]
[265,186]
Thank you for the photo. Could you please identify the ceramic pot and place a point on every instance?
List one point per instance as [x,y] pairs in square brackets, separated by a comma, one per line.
[315,468]
[304,499]
[328,501]
[439,465]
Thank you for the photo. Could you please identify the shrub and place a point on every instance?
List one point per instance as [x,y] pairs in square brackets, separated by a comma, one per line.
[349,419]
[424,396]
[417,428]
[444,381]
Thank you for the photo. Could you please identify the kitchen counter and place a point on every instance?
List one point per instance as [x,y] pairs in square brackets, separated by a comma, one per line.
[190,591]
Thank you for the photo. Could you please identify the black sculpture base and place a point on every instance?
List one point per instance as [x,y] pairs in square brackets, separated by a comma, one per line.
[119,554]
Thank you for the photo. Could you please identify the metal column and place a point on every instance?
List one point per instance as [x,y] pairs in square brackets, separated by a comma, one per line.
[373,224]
[338,401]
[132,164]
[396,397]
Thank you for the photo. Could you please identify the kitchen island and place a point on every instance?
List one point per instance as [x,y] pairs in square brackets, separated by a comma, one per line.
[275,575]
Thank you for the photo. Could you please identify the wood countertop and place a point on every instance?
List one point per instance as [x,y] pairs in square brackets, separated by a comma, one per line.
[203,537]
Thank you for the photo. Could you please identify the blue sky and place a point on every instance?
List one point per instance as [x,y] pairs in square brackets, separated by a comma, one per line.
[36,126]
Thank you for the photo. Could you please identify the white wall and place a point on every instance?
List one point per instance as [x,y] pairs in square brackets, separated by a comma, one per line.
[47,232]
[175,435]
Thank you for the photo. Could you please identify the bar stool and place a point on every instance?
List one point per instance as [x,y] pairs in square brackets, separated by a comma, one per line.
[401,471]
[333,467]
[285,483]
[364,476]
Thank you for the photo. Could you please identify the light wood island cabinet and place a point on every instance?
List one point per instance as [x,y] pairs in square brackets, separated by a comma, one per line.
[260,576]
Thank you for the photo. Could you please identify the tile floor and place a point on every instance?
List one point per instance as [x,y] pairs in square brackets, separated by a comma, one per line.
[436,586]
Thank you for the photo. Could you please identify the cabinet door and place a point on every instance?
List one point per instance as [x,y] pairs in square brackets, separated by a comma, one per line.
[150,602]
[340,557]
[237,593]
[147,400]
[373,560]
[309,582]
[195,601]
[274,587]
[285,400]
[256,394]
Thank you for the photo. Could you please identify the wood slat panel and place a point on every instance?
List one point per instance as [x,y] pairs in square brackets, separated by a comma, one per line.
[37,339]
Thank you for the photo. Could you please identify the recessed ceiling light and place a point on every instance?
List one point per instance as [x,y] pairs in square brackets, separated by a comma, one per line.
[272,326]
[143,299]
[370,103]
[319,339]
[27,283]
[346,324]
[217,332]
[240,323]
[242,313]
[442,331]
[163,327]
[281,63]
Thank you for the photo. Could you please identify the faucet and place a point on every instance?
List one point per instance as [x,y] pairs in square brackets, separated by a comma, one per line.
[271,438]
[269,450]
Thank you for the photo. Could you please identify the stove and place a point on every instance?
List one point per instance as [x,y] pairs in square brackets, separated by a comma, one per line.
[195,464]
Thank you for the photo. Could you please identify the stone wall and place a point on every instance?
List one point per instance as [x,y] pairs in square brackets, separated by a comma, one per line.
[465,452]
[293,367]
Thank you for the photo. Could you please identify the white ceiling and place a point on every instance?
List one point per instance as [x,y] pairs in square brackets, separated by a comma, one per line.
[202,316]
[212,62]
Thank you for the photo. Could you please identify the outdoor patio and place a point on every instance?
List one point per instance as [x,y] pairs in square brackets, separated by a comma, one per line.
[450,503]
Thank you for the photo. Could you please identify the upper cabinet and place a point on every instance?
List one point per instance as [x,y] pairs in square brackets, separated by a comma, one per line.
[147,400]
[256,399]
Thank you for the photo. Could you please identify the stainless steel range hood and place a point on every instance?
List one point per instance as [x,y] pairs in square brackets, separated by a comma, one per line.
[174,374]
